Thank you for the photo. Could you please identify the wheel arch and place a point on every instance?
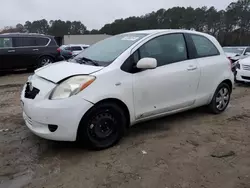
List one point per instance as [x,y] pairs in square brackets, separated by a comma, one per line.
[118,102]
[228,82]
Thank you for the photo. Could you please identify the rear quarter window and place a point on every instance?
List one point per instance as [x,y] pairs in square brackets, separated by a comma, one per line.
[42,41]
[76,48]
[204,47]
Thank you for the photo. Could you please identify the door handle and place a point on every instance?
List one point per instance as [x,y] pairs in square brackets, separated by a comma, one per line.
[35,49]
[11,51]
[191,67]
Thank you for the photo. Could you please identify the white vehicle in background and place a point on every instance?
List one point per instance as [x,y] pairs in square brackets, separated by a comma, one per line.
[236,52]
[242,73]
[77,48]
[71,50]
[123,80]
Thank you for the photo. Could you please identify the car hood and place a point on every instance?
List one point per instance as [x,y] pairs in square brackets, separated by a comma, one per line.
[230,54]
[245,61]
[58,71]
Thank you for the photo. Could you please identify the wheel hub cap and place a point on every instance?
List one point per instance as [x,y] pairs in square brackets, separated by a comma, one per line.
[222,98]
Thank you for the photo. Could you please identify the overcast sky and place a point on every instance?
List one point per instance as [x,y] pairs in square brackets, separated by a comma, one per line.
[93,13]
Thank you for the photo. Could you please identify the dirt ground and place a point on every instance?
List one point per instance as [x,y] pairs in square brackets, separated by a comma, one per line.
[181,151]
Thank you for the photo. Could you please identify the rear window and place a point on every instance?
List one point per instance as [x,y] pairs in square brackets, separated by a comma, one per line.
[42,41]
[76,48]
[67,48]
[5,42]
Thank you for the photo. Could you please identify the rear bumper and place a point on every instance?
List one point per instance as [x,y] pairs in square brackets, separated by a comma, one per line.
[59,58]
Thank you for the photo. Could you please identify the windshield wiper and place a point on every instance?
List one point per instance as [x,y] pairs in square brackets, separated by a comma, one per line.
[89,60]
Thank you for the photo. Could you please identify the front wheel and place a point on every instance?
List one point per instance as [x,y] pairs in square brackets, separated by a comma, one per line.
[103,126]
[220,99]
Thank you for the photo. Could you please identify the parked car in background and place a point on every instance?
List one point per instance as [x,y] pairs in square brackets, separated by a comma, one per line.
[236,52]
[242,73]
[124,80]
[27,51]
[71,50]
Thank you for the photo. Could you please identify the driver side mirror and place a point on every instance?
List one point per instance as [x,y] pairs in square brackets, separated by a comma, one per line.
[147,63]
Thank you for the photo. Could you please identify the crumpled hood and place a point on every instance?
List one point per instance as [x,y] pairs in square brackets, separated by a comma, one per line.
[58,71]
[245,61]
[230,54]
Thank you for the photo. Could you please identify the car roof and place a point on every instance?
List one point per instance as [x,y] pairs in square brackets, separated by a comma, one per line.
[155,31]
[24,35]
[235,46]
[75,45]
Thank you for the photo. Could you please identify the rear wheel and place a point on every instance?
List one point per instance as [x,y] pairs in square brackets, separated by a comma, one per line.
[45,60]
[103,126]
[220,99]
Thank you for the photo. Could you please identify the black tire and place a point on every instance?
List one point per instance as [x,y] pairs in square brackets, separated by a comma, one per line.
[103,126]
[216,106]
[44,60]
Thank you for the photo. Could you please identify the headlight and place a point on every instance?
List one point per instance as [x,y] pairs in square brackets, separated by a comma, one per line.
[71,86]
[237,65]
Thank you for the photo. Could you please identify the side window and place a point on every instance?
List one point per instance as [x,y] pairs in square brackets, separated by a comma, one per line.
[24,41]
[76,48]
[166,49]
[42,41]
[5,42]
[204,46]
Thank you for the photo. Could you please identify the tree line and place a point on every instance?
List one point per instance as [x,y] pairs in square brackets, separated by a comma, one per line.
[230,26]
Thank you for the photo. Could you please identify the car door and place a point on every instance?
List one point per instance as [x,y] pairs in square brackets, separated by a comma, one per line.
[170,86]
[7,53]
[24,51]
[211,65]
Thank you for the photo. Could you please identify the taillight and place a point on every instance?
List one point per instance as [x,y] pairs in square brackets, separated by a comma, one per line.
[58,49]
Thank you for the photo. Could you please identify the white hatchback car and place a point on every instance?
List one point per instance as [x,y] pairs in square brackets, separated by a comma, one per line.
[123,80]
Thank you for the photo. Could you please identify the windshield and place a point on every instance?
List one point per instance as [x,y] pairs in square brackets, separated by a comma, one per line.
[107,50]
[234,50]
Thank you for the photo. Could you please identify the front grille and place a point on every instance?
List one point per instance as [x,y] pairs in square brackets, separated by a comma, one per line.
[30,92]
[28,119]
[246,77]
[246,67]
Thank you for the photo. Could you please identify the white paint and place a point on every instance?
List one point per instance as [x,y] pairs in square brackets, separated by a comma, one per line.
[147,94]
[244,70]
[147,63]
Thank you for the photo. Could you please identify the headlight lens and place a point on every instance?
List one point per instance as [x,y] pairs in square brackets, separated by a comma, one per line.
[71,87]
[237,65]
